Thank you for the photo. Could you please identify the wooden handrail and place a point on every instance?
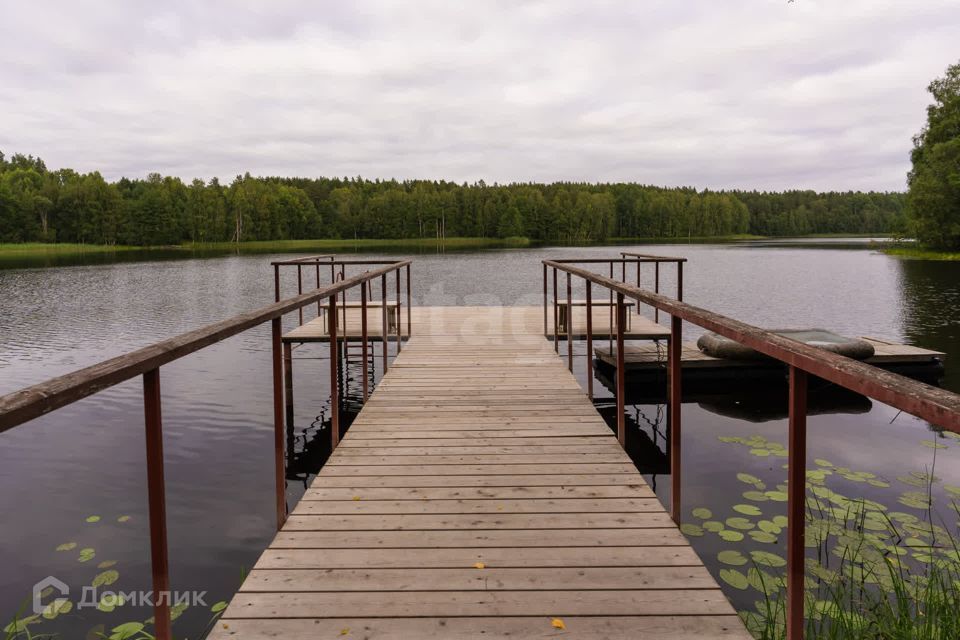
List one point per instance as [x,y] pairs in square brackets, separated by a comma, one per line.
[29,403]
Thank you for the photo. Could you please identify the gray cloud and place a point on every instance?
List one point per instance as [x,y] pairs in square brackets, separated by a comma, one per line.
[745,93]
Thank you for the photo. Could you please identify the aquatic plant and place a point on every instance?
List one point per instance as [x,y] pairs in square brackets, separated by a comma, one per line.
[872,570]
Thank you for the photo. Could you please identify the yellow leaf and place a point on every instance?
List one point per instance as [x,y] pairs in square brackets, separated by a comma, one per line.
[226,626]
[344,631]
[558,623]
[479,565]
[356,497]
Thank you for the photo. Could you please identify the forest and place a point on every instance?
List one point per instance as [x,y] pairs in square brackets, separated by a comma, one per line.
[42,205]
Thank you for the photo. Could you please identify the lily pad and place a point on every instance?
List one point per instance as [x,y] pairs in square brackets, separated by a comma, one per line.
[776,496]
[734,578]
[92,519]
[730,535]
[733,558]
[747,509]
[749,479]
[702,512]
[87,554]
[691,529]
[739,523]
[768,526]
[930,444]
[763,536]
[756,496]
[767,559]
[218,606]
[712,526]
[67,546]
[760,453]
[106,578]
[820,462]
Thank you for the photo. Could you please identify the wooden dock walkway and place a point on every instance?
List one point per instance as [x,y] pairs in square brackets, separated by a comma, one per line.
[479,494]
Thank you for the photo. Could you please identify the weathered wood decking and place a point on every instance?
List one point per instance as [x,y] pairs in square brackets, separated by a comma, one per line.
[479,495]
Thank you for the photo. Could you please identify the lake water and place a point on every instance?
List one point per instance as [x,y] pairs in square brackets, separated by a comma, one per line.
[88,459]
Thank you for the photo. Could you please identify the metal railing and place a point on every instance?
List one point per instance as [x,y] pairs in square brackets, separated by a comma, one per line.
[938,406]
[32,402]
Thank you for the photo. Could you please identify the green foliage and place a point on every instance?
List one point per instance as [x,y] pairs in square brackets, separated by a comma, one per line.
[933,199]
[37,205]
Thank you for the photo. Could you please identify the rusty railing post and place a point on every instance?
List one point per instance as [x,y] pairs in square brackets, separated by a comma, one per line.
[363,340]
[556,315]
[385,330]
[589,339]
[319,305]
[545,300]
[288,381]
[334,382]
[278,427]
[569,325]
[638,285]
[343,308]
[680,281]
[610,333]
[276,283]
[156,495]
[621,376]
[399,314]
[796,502]
[656,289]
[409,306]
[623,269]
[674,377]
[300,288]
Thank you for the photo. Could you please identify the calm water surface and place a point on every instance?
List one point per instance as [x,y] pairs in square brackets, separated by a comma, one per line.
[88,459]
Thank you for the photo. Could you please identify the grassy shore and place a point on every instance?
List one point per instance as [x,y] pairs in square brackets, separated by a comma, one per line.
[61,248]
[919,253]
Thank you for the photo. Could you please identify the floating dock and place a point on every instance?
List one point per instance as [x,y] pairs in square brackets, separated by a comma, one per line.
[644,361]
[479,494]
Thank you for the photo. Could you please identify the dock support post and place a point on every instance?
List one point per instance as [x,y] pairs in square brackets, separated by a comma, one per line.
[674,351]
[399,316]
[589,339]
[656,289]
[386,333]
[334,382]
[556,315]
[363,341]
[409,306]
[280,484]
[319,304]
[545,300]
[621,374]
[300,288]
[288,381]
[569,325]
[796,502]
[638,285]
[156,495]
[276,283]
[610,334]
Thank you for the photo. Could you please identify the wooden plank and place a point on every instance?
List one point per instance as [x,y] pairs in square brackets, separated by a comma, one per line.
[359,493]
[475,521]
[666,537]
[453,558]
[634,627]
[529,480]
[476,469]
[526,505]
[473,579]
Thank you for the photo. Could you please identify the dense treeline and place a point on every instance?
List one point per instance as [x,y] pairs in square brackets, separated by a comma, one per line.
[40,205]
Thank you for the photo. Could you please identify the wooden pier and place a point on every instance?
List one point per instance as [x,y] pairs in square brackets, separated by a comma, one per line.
[479,494]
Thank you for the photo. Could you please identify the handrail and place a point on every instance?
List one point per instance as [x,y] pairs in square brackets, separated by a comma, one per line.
[32,402]
[938,406]
[328,257]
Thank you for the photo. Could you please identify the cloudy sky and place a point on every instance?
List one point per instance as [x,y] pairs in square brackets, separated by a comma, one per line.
[821,94]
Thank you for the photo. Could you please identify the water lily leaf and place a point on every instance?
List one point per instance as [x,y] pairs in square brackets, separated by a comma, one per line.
[876,482]
[952,490]
[930,444]
[712,526]
[747,509]
[756,496]
[763,536]
[107,577]
[734,578]
[126,630]
[776,496]
[109,602]
[218,606]
[702,512]
[731,557]
[123,518]
[762,581]
[93,519]
[87,554]
[760,453]
[19,626]
[56,608]
[730,535]
[106,564]
[729,439]
[749,479]
[768,526]
[739,523]
[768,559]
[915,499]
[691,529]
[820,462]
[67,546]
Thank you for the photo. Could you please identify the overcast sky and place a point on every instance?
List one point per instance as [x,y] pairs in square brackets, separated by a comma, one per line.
[821,94]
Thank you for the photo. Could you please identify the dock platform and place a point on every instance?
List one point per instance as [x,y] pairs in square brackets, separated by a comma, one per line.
[479,494]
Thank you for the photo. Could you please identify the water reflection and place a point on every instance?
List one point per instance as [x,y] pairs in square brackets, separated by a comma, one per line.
[930,293]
